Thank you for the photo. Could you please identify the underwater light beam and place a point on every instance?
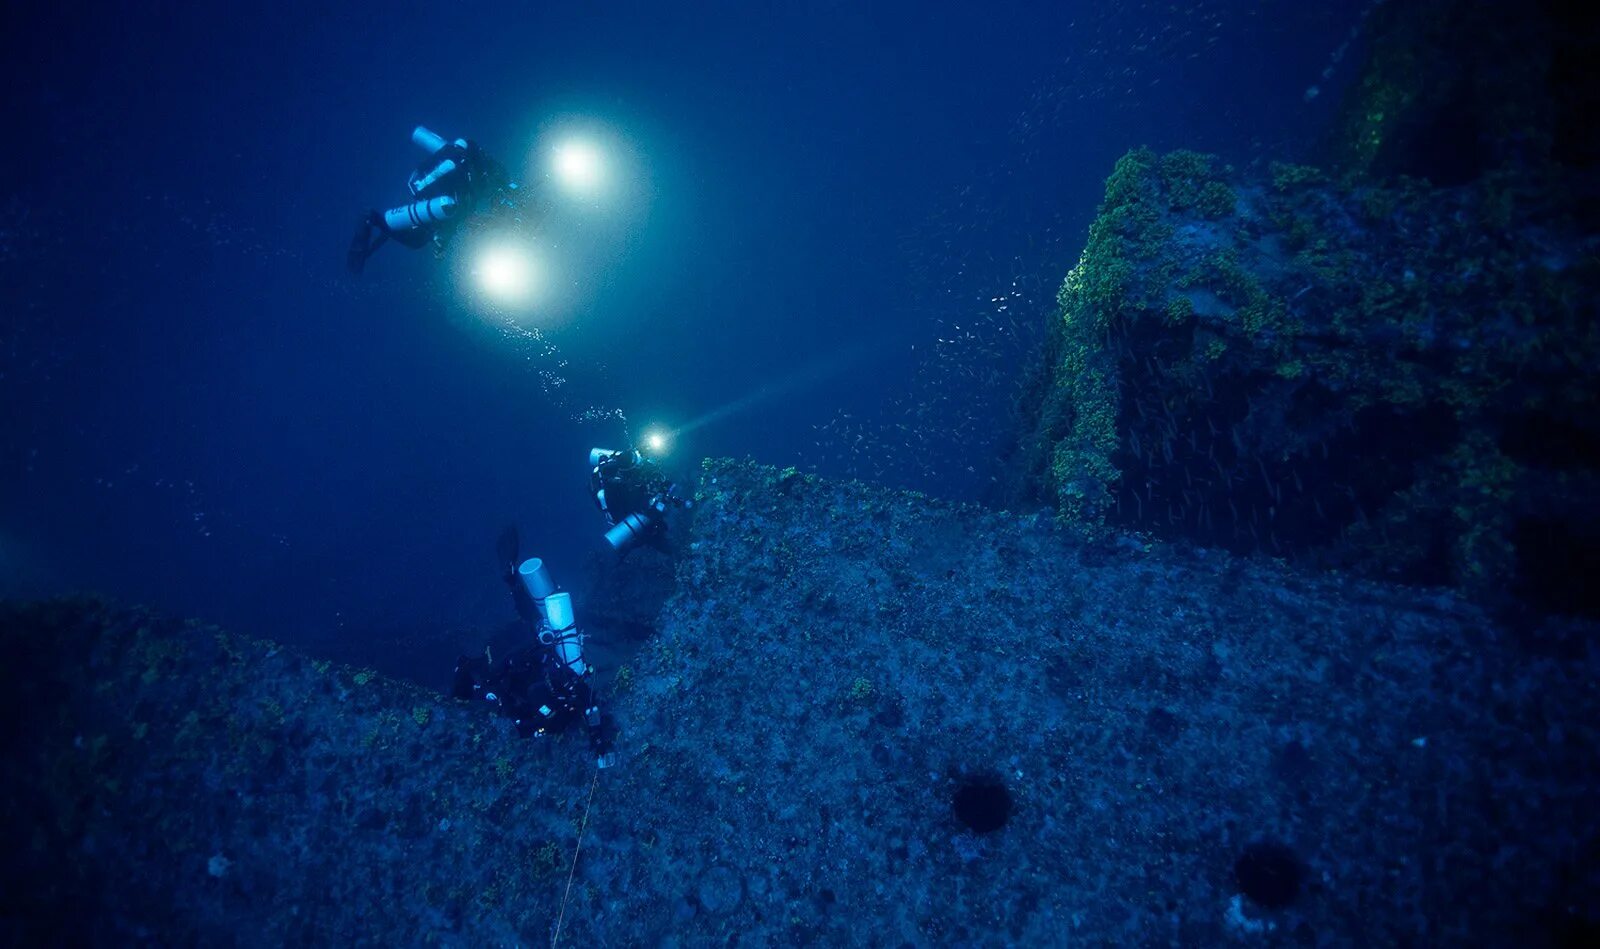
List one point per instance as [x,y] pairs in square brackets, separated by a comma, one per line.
[578,165]
[799,379]
[505,273]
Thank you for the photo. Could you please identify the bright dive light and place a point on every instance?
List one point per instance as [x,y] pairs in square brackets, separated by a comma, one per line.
[655,441]
[505,273]
[578,165]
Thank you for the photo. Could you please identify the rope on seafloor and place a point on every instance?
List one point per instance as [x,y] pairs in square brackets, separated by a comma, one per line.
[556,936]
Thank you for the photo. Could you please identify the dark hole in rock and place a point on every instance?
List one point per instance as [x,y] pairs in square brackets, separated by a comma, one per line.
[276,767]
[1546,440]
[1292,762]
[1556,566]
[982,804]
[1162,725]
[1269,874]
[1446,145]
[1574,83]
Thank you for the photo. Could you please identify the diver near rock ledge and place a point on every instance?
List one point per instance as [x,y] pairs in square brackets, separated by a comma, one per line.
[456,181]
[546,687]
[634,494]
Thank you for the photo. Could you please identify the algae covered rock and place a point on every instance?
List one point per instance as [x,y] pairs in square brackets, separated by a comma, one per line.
[1394,377]
[1388,363]
[1454,89]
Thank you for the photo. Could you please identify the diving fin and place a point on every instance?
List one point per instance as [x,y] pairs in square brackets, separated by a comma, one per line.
[366,240]
[509,550]
[508,547]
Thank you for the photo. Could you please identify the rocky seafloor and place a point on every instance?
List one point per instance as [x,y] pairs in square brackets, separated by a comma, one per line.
[1180,747]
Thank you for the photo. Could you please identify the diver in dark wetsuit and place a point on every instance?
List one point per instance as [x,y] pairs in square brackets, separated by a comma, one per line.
[546,687]
[455,181]
[531,687]
[633,493]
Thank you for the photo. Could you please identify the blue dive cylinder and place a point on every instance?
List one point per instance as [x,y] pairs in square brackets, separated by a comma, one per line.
[418,185]
[627,531]
[426,140]
[420,213]
[567,640]
[536,580]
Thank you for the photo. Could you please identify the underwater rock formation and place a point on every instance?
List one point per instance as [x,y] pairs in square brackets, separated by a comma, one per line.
[1391,377]
[1455,89]
[867,718]
[1391,364]
[174,784]
[624,594]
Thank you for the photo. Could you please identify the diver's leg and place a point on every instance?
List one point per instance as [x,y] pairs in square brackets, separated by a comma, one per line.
[369,236]
[470,678]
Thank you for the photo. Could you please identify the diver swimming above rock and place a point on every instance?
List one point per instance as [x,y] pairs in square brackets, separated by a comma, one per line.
[634,494]
[456,181]
[546,687]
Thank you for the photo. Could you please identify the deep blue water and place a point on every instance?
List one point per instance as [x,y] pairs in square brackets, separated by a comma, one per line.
[200,410]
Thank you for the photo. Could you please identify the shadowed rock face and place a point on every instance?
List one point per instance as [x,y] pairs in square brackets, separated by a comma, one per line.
[1190,746]
[1455,89]
[1389,364]
[1396,379]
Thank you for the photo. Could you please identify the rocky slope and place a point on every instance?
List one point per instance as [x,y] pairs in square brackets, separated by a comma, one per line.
[1165,745]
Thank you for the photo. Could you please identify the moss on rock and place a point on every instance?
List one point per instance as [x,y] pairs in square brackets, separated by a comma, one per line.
[1313,368]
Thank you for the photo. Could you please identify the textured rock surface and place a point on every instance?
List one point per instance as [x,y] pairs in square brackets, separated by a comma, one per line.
[1454,88]
[1395,378]
[838,659]
[1389,363]
[173,784]
[836,662]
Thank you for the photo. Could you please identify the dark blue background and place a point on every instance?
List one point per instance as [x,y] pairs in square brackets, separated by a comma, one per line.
[202,411]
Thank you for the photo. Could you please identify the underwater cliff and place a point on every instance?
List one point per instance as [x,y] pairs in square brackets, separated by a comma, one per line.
[1386,362]
[864,717]
[1391,377]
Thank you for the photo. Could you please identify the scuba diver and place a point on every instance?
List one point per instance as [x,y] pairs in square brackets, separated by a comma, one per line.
[456,180]
[633,493]
[546,687]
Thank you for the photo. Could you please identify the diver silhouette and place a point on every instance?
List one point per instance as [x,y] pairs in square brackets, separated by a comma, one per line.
[456,181]
[633,493]
[546,687]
